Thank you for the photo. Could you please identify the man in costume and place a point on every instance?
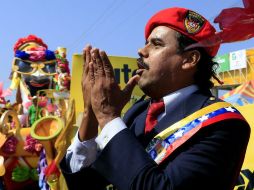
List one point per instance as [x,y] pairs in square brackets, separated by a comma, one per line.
[180,138]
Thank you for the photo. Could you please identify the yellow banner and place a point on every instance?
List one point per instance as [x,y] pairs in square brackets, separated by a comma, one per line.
[124,68]
[246,178]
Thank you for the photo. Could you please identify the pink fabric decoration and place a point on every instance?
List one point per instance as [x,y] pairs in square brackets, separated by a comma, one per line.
[36,53]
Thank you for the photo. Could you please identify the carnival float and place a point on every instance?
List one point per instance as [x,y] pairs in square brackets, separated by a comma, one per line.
[35,130]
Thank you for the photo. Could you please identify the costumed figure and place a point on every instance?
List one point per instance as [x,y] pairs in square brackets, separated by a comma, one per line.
[33,111]
[33,69]
[63,72]
[31,143]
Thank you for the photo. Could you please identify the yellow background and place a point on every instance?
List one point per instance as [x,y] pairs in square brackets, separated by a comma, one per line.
[117,62]
[248,112]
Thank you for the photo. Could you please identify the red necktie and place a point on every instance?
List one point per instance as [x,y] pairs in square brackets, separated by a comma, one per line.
[155,109]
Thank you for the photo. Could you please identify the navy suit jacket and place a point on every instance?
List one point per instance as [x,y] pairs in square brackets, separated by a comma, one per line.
[210,160]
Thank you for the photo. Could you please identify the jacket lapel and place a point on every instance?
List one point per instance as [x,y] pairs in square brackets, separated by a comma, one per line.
[135,117]
[140,124]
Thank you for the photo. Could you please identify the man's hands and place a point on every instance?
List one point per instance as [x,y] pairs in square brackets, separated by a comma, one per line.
[89,125]
[103,98]
[107,99]
[86,89]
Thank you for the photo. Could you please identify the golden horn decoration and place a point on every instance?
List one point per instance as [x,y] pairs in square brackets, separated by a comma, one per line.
[47,128]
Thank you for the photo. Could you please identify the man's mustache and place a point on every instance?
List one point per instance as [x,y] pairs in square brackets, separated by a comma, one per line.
[142,64]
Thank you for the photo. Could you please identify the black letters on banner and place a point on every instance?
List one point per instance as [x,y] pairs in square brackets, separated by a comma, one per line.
[123,71]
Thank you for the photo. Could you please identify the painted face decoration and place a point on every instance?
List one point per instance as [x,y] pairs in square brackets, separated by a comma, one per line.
[35,64]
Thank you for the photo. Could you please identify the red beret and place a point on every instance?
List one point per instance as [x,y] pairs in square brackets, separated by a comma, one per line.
[185,21]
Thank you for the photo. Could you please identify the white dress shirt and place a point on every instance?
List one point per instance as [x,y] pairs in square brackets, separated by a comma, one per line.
[82,154]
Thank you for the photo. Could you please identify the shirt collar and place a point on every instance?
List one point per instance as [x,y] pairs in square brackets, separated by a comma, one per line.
[172,100]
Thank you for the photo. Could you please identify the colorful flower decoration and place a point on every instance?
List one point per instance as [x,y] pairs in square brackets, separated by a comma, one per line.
[36,54]
[62,62]
[29,39]
[32,145]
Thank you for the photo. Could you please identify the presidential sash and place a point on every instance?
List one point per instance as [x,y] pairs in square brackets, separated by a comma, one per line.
[167,141]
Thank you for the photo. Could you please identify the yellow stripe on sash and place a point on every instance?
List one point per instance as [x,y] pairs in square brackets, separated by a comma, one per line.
[168,131]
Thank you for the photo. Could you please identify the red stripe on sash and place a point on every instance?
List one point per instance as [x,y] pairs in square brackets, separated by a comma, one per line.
[193,131]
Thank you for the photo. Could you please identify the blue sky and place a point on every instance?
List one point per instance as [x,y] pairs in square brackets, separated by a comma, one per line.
[117,26]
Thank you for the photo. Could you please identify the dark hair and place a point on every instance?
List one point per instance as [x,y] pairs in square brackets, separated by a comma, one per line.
[206,67]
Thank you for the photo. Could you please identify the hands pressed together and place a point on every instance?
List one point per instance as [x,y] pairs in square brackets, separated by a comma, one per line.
[103,98]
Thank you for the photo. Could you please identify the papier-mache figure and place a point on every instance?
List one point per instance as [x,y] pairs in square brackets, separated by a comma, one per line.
[63,72]
[33,135]
[33,69]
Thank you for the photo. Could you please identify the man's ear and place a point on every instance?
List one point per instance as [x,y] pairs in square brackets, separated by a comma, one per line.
[191,58]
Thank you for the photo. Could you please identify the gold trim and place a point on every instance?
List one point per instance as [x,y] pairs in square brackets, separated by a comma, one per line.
[34,65]
[29,44]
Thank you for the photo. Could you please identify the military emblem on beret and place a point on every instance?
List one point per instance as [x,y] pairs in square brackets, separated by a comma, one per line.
[193,22]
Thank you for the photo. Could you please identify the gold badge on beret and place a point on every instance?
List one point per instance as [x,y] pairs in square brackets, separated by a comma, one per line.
[193,22]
